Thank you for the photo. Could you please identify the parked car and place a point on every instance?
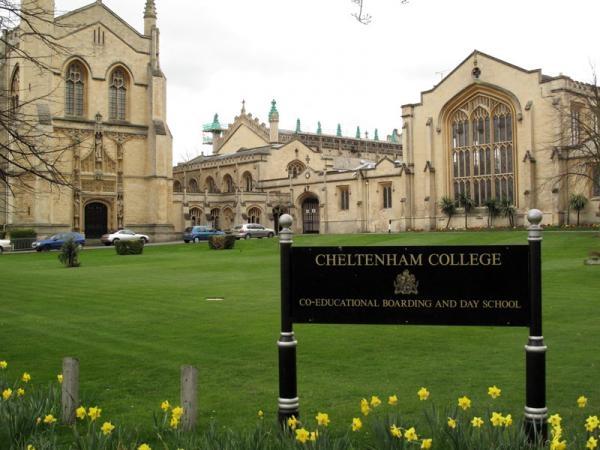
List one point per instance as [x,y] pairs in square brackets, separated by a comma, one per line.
[199,233]
[5,245]
[123,235]
[55,242]
[250,230]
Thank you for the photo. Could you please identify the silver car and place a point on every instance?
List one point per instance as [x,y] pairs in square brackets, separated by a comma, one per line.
[250,230]
[5,245]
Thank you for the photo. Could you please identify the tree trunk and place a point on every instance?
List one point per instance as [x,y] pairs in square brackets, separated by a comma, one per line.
[578,211]
[466,218]
[448,223]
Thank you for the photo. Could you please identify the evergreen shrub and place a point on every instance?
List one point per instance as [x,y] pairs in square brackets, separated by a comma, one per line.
[134,247]
[221,242]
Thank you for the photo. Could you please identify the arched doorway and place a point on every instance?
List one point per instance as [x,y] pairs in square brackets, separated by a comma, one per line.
[96,220]
[310,215]
[214,214]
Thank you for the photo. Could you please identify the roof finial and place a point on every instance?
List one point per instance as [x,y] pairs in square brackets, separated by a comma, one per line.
[273,114]
[366,135]
[339,130]
[243,106]
[150,10]
[357,133]
[476,70]
[298,130]
[319,130]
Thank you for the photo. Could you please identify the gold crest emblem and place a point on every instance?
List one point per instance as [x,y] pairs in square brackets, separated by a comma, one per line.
[406,283]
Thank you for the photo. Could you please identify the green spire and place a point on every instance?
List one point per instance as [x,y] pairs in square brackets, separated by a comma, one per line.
[394,137]
[273,114]
[319,130]
[298,130]
[339,130]
[357,132]
[215,123]
[376,137]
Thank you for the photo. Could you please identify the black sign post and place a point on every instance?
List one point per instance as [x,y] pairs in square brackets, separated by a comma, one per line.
[495,285]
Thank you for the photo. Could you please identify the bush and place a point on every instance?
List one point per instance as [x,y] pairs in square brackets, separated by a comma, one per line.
[20,233]
[135,247]
[69,253]
[221,242]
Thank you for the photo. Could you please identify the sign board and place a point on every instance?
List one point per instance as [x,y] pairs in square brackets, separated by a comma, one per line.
[434,285]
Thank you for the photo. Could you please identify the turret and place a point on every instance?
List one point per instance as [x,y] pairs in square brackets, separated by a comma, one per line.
[273,123]
[149,17]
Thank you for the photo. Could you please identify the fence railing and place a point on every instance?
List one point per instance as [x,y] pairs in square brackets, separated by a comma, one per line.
[21,244]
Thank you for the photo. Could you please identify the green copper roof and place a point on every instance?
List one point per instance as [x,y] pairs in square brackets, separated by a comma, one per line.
[273,114]
[319,130]
[357,133]
[376,137]
[394,136]
[214,126]
[339,130]
[298,130]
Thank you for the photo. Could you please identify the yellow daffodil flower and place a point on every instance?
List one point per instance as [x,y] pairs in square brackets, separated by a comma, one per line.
[427,443]
[375,401]
[582,401]
[20,392]
[393,400]
[395,431]
[80,412]
[107,428]
[558,445]
[144,447]
[302,435]
[7,393]
[177,412]
[364,407]
[477,422]
[94,413]
[165,406]
[451,423]
[26,378]
[3,364]
[356,424]
[464,402]
[322,419]
[49,419]
[591,423]
[497,419]
[411,434]
[174,423]
[423,394]
[59,377]
[591,443]
[556,433]
[314,435]
[261,414]
[494,391]
[554,420]
[30,447]
[508,420]
[292,422]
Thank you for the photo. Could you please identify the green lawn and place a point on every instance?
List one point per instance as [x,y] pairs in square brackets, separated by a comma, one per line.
[134,320]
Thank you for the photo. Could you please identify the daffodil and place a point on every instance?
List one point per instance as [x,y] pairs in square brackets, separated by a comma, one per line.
[292,422]
[497,419]
[174,423]
[165,406]
[411,434]
[80,412]
[494,391]
[591,423]
[322,419]
[556,433]
[423,394]
[558,445]
[94,413]
[464,402]
[177,412]
[60,378]
[477,422]
[508,420]
[395,431]
[3,364]
[26,378]
[7,393]
[451,422]
[582,401]
[30,447]
[356,424]
[260,414]
[49,419]
[375,401]
[144,447]
[107,428]
[393,400]
[20,392]
[427,443]
[554,420]
[364,407]
[591,443]
[314,435]
[302,435]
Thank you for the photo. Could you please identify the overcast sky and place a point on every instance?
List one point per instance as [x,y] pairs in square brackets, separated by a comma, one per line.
[320,64]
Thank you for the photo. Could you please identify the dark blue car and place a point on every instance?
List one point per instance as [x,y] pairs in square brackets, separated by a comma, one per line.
[199,233]
[55,242]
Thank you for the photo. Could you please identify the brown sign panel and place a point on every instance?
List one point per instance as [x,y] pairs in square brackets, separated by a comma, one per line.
[450,285]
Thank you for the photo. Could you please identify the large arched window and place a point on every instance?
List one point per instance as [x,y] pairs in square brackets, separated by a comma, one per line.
[228,185]
[196,216]
[210,185]
[117,98]
[482,150]
[295,168]
[15,88]
[177,186]
[254,215]
[247,182]
[75,89]
[192,186]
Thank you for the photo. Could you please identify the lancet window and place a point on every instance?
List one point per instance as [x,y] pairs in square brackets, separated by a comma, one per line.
[482,150]
[75,90]
[15,88]
[117,98]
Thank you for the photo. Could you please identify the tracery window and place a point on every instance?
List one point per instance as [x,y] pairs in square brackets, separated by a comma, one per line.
[254,215]
[117,98]
[228,183]
[482,150]
[193,186]
[247,181]
[176,186]
[15,87]
[74,89]
[344,197]
[295,168]
[196,216]
[211,186]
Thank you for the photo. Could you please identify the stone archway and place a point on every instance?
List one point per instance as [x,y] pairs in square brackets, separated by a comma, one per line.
[96,220]
[310,214]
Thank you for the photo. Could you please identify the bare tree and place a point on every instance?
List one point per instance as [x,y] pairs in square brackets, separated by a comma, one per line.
[361,15]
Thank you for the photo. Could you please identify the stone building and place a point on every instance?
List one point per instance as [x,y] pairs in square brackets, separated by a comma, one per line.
[102,102]
[489,130]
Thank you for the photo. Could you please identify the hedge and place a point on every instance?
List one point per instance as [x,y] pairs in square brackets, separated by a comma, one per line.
[134,247]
